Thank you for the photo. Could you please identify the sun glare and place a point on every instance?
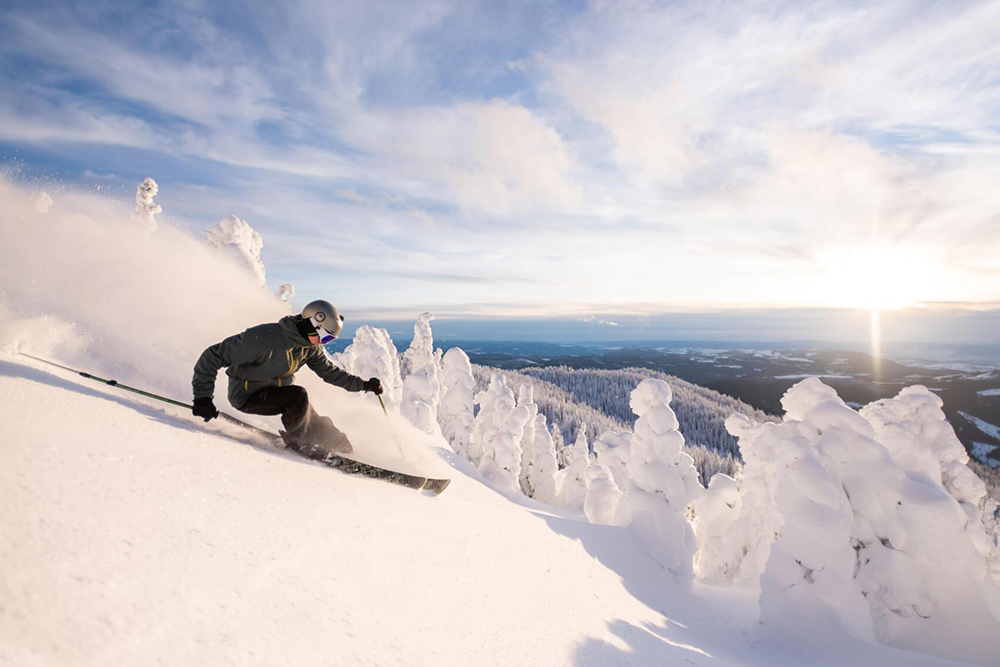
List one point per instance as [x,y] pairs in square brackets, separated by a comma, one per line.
[876,278]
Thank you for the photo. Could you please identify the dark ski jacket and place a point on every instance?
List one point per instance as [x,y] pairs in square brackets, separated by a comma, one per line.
[267,355]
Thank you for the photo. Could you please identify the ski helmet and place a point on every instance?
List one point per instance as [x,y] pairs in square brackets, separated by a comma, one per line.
[324,315]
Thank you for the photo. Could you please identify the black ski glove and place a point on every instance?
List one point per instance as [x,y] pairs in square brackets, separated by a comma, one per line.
[373,385]
[205,408]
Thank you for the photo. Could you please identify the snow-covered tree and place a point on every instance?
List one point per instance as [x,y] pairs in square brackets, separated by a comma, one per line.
[543,470]
[573,478]
[456,409]
[145,208]
[713,515]
[495,405]
[559,444]
[810,567]
[662,482]
[912,426]
[847,534]
[238,240]
[373,354]
[735,534]
[525,397]
[421,388]
[612,451]
[603,495]
[497,439]
[501,462]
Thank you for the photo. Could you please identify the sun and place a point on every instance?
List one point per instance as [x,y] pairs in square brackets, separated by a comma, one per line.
[876,278]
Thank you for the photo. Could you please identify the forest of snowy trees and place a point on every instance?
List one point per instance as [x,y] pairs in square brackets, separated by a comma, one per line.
[702,412]
[598,401]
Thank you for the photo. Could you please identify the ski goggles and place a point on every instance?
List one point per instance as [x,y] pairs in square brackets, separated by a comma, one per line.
[324,335]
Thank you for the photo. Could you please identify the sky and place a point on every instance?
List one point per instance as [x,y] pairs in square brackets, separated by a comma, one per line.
[606,163]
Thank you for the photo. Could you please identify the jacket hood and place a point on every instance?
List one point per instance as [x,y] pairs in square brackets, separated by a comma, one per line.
[291,332]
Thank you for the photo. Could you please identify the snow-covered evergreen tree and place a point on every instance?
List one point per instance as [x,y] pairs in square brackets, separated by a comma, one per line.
[499,427]
[810,567]
[525,397]
[456,409]
[501,462]
[559,444]
[238,240]
[145,208]
[843,529]
[373,354]
[612,451]
[912,426]
[713,515]
[543,471]
[603,495]
[573,478]
[495,405]
[735,535]
[421,387]
[663,481]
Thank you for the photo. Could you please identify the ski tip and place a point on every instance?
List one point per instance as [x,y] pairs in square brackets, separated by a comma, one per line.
[436,486]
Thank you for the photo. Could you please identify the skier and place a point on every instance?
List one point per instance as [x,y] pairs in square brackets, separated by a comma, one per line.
[262,362]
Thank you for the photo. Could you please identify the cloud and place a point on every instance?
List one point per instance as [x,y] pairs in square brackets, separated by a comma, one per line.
[563,155]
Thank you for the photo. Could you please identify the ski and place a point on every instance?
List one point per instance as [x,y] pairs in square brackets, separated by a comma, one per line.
[352,467]
[348,465]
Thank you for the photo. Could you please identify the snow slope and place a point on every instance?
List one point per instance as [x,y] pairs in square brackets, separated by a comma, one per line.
[131,534]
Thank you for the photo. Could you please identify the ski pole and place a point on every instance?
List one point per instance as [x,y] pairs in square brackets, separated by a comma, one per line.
[391,429]
[119,385]
[110,383]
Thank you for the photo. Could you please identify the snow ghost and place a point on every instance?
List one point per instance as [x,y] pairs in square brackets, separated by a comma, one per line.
[145,208]
[603,495]
[612,451]
[456,409]
[526,397]
[544,468]
[662,482]
[573,479]
[498,432]
[421,388]
[238,240]
[373,354]
[720,547]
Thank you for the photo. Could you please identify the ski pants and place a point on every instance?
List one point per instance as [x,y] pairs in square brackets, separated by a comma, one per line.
[305,430]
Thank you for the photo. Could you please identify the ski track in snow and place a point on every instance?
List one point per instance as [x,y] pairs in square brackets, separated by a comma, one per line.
[134,536]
